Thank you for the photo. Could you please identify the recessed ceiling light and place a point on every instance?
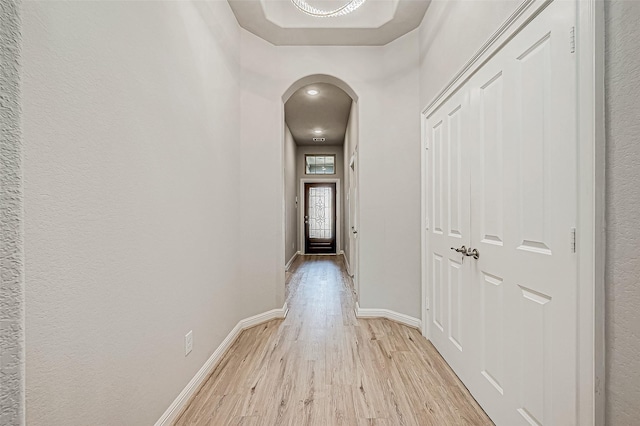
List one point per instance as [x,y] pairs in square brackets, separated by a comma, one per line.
[312,92]
[317,131]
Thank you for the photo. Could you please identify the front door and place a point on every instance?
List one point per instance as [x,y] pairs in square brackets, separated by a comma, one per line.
[320,218]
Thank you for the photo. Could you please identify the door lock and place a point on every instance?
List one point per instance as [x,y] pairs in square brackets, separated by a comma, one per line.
[473,253]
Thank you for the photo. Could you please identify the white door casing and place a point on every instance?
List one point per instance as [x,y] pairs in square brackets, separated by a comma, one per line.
[516,317]
[353,220]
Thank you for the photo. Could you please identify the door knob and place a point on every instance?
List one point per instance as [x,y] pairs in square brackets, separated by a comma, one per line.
[473,253]
[462,249]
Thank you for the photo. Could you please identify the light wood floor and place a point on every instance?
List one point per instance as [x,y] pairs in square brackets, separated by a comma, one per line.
[322,366]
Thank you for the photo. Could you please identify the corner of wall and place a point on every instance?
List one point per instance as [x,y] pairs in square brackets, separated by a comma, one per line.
[622,265]
[12,394]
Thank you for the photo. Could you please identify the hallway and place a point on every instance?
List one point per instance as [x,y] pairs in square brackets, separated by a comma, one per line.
[322,366]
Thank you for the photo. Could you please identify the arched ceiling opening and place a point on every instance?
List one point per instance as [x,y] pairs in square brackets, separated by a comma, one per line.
[318,110]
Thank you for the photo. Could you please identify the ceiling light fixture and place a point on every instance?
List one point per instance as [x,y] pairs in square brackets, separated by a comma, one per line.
[317,132]
[312,92]
[345,9]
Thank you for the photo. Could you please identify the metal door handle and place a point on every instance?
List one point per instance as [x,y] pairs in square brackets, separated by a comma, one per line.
[473,253]
[462,249]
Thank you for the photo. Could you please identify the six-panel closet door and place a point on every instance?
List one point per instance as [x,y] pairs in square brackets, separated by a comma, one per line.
[514,309]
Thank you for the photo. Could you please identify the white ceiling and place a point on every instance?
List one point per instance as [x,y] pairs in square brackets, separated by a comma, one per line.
[375,23]
[327,111]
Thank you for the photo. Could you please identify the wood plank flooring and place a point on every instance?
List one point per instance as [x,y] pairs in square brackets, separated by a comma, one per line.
[323,366]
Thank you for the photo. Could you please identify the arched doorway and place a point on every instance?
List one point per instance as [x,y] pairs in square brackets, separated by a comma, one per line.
[307,143]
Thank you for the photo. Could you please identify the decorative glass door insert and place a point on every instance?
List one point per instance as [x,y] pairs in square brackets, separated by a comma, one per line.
[320,223]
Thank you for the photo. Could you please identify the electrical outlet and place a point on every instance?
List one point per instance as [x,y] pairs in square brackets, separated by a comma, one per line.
[188,343]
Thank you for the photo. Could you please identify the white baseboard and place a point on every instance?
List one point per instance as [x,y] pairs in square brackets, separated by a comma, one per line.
[290,262]
[176,407]
[346,263]
[388,314]
[263,317]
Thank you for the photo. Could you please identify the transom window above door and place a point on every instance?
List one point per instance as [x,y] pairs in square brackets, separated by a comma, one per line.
[320,164]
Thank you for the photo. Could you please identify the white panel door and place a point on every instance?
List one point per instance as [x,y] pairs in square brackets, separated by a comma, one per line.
[448,210]
[523,202]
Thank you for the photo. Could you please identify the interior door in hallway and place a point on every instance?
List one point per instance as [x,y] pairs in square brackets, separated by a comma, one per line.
[320,218]
[449,232]
[505,319]
[523,203]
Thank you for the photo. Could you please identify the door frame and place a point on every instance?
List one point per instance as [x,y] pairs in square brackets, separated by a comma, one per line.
[590,249]
[303,249]
[354,249]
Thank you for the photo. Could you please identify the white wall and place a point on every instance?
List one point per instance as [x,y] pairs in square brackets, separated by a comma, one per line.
[389,184]
[291,192]
[385,80]
[450,33]
[623,203]
[131,129]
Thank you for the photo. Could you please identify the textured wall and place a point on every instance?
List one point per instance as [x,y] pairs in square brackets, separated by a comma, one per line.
[11,259]
[131,168]
[623,207]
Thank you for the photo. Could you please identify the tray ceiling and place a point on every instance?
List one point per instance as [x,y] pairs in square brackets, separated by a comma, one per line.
[375,23]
